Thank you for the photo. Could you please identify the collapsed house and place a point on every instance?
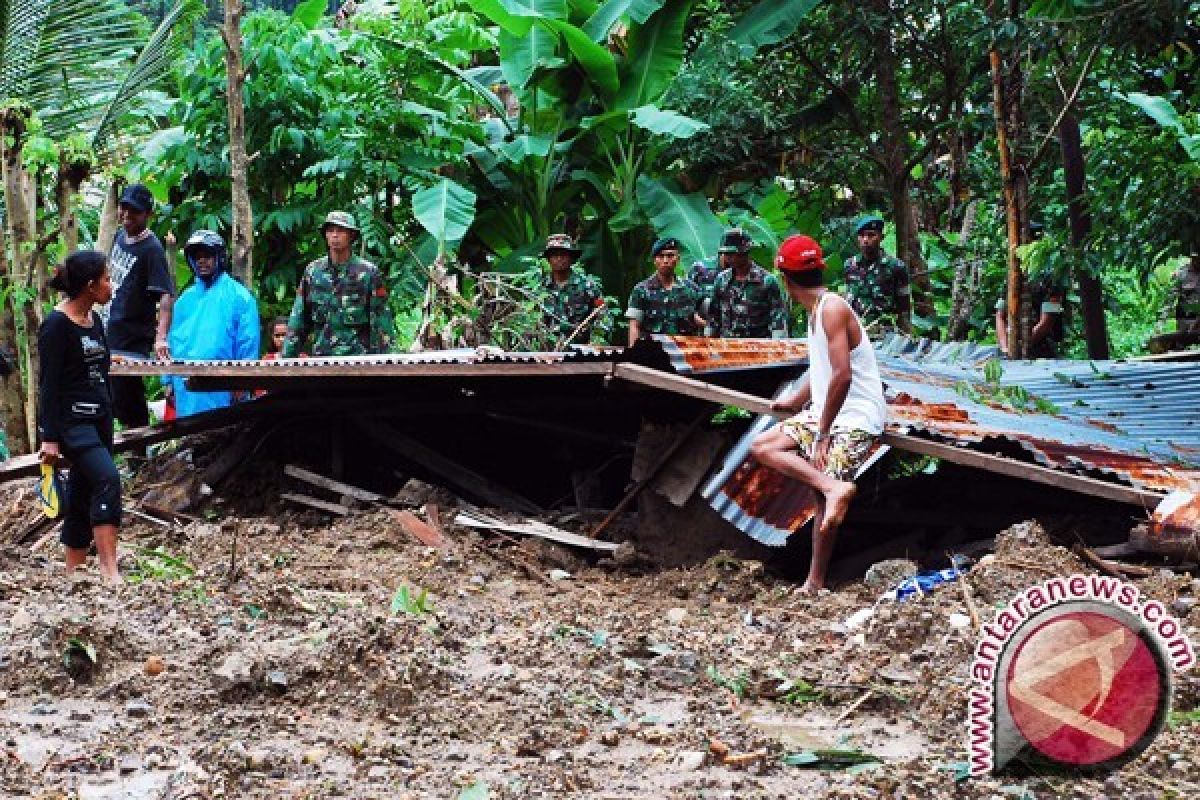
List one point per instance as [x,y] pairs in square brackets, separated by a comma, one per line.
[593,427]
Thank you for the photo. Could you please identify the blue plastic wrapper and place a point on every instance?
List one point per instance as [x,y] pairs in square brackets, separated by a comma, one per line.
[924,583]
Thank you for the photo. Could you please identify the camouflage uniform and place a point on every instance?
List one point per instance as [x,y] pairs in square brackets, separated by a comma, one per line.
[565,307]
[878,291]
[662,310]
[748,309]
[704,276]
[1047,297]
[343,307]
[1185,299]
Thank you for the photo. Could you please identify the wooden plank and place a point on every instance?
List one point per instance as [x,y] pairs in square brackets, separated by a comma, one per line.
[1020,469]
[651,473]
[26,465]
[541,530]
[338,487]
[645,376]
[313,502]
[451,471]
[414,527]
[271,371]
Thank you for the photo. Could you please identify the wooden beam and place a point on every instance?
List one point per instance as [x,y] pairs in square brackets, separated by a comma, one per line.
[651,473]
[1030,472]
[330,484]
[475,519]
[273,371]
[466,479]
[324,505]
[690,387]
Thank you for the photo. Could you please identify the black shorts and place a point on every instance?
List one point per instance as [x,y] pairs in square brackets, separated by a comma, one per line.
[93,483]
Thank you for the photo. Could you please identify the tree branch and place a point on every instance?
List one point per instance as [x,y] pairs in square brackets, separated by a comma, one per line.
[1067,106]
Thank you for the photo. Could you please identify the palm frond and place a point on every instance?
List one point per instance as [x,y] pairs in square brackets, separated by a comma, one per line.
[64,57]
[153,63]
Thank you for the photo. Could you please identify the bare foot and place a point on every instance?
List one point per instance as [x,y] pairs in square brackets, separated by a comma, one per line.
[809,589]
[113,578]
[837,503]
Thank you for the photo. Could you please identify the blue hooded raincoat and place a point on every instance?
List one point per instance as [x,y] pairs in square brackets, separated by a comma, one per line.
[217,321]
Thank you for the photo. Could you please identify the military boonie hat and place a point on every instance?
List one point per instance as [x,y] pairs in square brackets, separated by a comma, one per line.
[664,244]
[799,254]
[561,241]
[870,222]
[343,219]
[735,240]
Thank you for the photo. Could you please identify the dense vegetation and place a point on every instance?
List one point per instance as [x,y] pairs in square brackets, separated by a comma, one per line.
[462,133]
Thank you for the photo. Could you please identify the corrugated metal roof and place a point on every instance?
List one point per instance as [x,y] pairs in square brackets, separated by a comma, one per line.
[1135,422]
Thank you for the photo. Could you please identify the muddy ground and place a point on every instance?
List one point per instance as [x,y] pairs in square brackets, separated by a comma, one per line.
[285,655]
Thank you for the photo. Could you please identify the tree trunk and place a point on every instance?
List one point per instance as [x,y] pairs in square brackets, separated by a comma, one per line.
[66,194]
[12,392]
[20,214]
[1006,104]
[242,244]
[1091,293]
[108,220]
[962,295]
[894,142]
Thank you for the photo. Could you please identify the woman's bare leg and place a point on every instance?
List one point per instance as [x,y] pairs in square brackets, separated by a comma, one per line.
[106,551]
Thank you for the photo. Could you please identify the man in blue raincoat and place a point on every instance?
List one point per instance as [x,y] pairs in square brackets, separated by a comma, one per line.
[216,319]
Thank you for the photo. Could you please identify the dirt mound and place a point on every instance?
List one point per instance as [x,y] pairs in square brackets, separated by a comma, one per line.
[304,658]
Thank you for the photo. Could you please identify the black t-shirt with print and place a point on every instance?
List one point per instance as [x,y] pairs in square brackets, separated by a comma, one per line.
[73,379]
[139,277]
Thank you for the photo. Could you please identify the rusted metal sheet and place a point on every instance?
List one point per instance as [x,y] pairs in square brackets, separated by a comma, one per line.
[1174,528]
[761,502]
[697,354]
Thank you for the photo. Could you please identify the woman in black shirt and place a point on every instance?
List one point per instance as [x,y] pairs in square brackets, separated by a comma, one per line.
[75,410]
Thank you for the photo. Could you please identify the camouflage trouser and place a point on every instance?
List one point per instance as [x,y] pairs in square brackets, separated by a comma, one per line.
[847,449]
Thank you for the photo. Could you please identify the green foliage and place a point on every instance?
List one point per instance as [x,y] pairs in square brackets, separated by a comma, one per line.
[737,684]
[992,392]
[829,759]
[413,603]
[156,564]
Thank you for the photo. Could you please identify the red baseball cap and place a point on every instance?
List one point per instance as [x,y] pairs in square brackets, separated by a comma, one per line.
[799,254]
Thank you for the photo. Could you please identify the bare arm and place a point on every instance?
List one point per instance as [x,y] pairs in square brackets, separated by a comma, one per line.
[798,399]
[1043,328]
[1002,331]
[166,305]
[635,331]
[836,319]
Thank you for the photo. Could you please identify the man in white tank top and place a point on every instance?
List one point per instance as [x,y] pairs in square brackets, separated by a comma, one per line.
[825,443]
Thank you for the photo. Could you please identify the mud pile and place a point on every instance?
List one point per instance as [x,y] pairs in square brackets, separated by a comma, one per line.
[286,655]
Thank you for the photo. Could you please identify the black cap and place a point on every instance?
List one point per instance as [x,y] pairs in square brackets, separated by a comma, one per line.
[138,197]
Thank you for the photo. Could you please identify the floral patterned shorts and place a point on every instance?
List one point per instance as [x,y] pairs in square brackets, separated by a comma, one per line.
[848,449]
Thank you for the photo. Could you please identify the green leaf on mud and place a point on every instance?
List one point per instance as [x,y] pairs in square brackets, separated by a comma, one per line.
[477,791]
[829,759]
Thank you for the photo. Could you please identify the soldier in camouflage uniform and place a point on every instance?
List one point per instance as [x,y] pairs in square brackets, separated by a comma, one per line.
[876,283]
[704,275]
[1185,297]
[747,301]
[664,303]
[570,295]
[341,301]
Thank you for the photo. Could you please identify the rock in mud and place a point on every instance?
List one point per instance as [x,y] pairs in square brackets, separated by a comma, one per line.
[235,670]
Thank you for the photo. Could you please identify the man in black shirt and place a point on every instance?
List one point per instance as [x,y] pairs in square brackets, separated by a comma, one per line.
[143,290]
